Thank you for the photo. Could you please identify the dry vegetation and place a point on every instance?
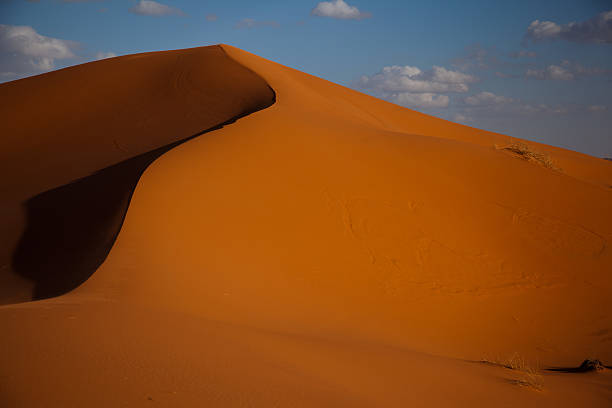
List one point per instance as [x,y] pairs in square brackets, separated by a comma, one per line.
[527,375]
[526,153]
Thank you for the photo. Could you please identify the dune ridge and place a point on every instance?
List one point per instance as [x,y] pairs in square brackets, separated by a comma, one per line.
[335,250]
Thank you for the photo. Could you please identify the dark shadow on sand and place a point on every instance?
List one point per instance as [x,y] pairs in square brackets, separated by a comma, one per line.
[71,229]
[585,367]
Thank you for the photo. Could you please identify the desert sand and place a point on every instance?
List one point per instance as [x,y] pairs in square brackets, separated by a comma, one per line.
[322,248]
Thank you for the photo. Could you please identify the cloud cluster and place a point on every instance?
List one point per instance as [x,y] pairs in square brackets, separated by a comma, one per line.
[339,9]
[553,72]
[23,51]
[411,79]
[420,100]
[487,103]
[153,8]
[596,30]
[409,86]
[566,71]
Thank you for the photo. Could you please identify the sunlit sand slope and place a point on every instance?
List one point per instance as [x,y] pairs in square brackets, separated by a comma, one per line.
[336,250]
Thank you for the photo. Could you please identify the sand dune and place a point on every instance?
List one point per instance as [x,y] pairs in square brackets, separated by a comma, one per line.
[111,118]
[329,250]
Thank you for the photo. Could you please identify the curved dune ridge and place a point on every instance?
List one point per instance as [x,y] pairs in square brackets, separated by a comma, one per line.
[331,249]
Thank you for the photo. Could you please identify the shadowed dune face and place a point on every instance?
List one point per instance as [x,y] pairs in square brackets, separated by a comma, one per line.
[69,230]
[69,124]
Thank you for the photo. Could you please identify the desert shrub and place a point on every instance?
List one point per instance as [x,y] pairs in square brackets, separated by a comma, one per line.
[526,374]
[523,151]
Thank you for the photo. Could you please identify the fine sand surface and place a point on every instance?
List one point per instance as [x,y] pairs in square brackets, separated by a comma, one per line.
[331,249]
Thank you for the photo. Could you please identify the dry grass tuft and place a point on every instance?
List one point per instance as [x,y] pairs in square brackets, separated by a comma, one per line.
[526,153]
[527,375]
[530,379]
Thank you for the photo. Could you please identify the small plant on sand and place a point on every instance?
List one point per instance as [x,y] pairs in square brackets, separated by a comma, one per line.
[527,375]
[526,153]
[531,379]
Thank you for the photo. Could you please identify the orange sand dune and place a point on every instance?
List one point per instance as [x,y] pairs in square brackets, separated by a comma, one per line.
[334,250]
[68,124]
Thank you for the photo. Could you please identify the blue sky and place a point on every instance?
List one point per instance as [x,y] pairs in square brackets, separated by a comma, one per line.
[520,68]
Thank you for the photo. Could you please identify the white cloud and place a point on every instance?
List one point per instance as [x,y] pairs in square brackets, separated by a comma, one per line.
[103,55]
[553,72]
[541,30]
[23,51]
[566,71]
[338,9]
[443,75]
[597,30]
[410,86]
[395,79]
[486,98]
[252,23]
[25,40]
[153,8]
[211,17]
[420,100]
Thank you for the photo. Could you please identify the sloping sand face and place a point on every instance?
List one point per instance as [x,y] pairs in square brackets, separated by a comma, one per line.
[107,121]
[312,253]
